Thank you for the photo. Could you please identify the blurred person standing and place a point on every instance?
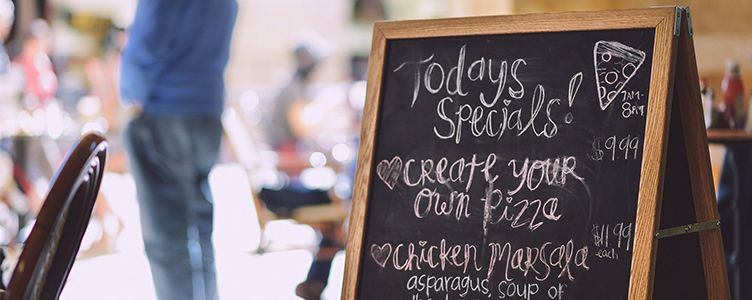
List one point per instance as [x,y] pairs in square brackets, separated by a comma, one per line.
[172,79]
[34,59]
[11,80]
[6,24]
[8,107]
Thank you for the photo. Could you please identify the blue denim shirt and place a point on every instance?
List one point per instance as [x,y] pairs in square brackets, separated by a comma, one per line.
[174,60]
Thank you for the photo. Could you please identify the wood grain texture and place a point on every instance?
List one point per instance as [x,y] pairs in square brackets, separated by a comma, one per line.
[550,22]
[687,89]
[653,160]
[364,166]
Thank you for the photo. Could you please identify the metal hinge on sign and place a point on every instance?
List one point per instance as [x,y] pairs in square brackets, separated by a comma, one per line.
[677,21]
[689,21]
[685,229]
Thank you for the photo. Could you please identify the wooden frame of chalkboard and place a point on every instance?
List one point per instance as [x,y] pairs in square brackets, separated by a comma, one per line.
[672,81]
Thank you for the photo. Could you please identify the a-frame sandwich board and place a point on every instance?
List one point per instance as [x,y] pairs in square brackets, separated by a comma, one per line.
[677,250]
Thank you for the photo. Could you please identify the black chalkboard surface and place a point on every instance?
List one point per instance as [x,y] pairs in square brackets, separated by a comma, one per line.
[510,165]
[499,149]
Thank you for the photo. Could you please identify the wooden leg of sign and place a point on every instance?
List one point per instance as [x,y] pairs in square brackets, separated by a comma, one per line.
[678,263]
[679,273]
[687,90]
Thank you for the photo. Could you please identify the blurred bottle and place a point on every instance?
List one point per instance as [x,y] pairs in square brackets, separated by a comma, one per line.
[732,91]
[708,102]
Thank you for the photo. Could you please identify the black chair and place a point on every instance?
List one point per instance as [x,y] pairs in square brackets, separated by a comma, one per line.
[52,245]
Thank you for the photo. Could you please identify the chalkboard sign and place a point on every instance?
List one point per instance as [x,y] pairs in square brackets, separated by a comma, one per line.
[516,157]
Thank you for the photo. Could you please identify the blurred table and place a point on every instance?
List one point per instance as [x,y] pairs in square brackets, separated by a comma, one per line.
[735,207]
[724,136]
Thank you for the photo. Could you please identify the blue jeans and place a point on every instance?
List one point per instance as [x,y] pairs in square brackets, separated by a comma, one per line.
[170,158]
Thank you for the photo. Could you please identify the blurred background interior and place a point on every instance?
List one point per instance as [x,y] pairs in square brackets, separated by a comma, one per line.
[60,79]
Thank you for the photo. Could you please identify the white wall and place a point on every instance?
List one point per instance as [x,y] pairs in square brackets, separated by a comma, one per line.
[267,31]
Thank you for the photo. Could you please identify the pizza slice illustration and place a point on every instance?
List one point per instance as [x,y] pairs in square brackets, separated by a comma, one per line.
[615,65]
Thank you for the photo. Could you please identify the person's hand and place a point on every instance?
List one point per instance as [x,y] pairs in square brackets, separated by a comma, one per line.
[132,111]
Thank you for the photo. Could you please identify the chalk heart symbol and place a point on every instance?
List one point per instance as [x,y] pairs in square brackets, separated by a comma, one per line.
[389,171]
[507,101]
[381,253]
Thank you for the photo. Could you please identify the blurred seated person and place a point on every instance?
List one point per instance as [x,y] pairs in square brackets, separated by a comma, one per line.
[285,132]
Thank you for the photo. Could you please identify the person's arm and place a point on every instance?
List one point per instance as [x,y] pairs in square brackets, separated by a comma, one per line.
[149,47]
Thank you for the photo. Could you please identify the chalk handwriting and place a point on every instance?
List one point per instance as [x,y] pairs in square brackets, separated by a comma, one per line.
[429,201]
[427,72]
[574,87]
[518,290]
[419,173]
[532,174]
[462,285]
[529,213]
[481,121]
[611,240]
[422,255]
[539,262]
[511,108]
[548,260]
[628,109]
[615,147]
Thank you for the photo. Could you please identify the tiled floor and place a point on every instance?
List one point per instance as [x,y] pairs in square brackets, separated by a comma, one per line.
[242,274]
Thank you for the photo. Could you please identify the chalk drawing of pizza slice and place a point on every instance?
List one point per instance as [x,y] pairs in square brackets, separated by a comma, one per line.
[615,65]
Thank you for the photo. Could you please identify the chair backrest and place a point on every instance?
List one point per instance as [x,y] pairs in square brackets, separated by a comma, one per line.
[52,245]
